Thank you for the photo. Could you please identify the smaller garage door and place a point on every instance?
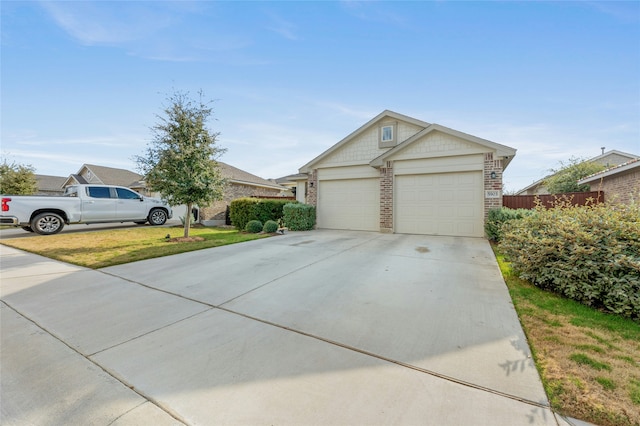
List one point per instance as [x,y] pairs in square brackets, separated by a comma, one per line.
[349,204]
[440,204]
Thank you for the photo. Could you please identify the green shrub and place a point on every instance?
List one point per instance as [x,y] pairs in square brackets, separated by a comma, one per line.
[242,210]
[253,226]
[590,254]
[270,227]
[497,218]
[299,217]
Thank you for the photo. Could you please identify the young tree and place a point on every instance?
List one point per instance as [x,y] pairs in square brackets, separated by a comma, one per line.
[180,160]
[17,179]
[566,177]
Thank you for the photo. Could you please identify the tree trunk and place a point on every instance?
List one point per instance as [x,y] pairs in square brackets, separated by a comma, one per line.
[187,220]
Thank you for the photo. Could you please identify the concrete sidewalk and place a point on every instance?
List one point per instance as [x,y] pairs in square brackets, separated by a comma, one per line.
[317,327]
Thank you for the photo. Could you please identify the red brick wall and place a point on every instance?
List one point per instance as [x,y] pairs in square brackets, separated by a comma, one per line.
[491,165]
[312,188]
[386,197]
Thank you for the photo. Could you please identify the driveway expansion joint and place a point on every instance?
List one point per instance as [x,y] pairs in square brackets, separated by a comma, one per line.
[100,367]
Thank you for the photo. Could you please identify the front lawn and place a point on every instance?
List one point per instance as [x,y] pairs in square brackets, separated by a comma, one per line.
[113,247]
[589,361]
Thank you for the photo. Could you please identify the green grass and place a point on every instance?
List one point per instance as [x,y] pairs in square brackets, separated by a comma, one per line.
[587,359]
[583,359]
[606,383]
[114,247]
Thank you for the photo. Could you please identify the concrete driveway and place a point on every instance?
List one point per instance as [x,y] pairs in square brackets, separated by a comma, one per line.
[321,327]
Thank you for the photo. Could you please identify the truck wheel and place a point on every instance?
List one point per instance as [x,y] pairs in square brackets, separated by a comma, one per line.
[47,224]
[157,217]
[27,228]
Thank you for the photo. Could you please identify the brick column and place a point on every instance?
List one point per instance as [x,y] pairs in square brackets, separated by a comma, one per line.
[491,165]
[386,197]
[312,188]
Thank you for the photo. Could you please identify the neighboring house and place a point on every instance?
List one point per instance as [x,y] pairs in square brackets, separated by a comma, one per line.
[296,184]
[621,183]
[607,159]
[50,185]
[101,175]
[399,174]
[239,184]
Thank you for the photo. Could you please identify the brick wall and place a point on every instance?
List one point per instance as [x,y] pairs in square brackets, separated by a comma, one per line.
[621,188]
[386,197]
[312,188]
[217,210]
[491,165]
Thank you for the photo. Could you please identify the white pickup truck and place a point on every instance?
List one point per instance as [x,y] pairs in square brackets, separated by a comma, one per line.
[82,204]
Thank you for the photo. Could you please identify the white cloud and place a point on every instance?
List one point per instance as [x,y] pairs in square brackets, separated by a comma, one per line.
[282,27]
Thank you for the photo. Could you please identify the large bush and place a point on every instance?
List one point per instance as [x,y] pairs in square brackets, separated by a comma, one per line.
[589,253]
[299,217]
[498,217]
[242,210]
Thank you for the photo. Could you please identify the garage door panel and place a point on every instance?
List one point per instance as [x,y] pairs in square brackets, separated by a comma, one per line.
[349,204]
[446,204]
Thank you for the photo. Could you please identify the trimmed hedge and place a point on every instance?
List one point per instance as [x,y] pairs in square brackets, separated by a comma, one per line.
[299,217]
[270,227]
[253,226]
[498,217]
[242,210]
[590,254]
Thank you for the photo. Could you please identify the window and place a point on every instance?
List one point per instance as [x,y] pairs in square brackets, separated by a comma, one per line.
[126,194]
[98,192]
[387,134]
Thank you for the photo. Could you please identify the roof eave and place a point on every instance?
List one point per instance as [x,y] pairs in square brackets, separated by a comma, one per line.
[386,113]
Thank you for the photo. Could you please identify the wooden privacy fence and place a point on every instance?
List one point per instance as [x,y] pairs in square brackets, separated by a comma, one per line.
[529,201]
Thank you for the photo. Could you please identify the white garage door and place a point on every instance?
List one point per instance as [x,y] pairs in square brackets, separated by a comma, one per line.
[440,204]
[349,204]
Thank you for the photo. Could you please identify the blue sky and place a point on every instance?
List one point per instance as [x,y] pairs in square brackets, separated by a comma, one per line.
[82,82]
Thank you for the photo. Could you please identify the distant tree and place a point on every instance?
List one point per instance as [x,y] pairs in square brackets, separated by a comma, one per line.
[565,178]
[17,179]
[180,160]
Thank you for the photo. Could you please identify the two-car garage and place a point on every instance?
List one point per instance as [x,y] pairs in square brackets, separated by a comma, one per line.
[398,174]
[435,204]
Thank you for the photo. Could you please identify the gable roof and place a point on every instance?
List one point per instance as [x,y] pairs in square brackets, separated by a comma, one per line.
[502,150]
[620,168]
[384,114]
[598,159]
[50,183]
[113,176]
[235,175]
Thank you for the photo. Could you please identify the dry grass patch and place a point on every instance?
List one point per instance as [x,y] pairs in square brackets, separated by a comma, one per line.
[589,361]
[114,247]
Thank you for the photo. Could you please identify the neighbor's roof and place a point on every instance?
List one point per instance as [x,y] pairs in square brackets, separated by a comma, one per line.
[113,176]
[620,168]
[540,182]
[235,175]
[50,183]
